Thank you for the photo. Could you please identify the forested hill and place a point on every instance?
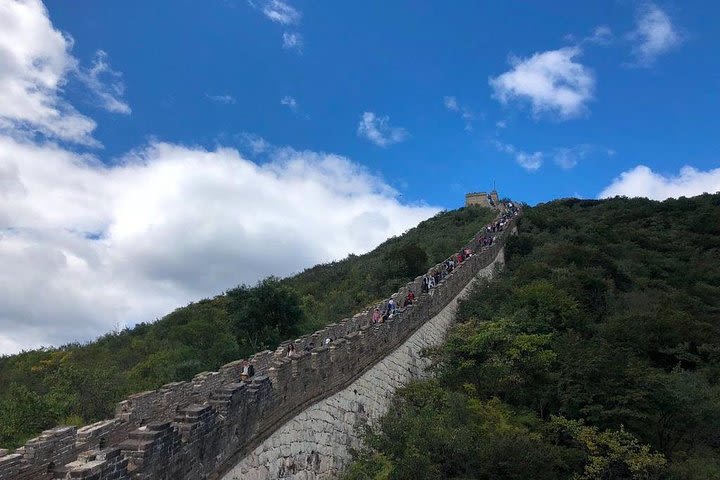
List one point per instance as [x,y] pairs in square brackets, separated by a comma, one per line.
[79,384]
[595,355]
[339,289]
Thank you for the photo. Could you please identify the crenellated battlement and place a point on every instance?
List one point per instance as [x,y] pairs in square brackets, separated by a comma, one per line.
[200,428]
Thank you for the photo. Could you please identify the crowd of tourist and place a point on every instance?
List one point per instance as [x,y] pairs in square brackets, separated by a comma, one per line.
[429,282]
[433,278]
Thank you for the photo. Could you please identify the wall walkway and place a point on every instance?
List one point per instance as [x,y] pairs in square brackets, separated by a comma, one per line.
[317,443]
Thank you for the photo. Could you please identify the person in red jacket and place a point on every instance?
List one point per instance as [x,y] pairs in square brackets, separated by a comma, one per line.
[409,299]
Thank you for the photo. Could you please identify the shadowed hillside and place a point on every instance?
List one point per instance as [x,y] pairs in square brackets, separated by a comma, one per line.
[596,355]
[78,384]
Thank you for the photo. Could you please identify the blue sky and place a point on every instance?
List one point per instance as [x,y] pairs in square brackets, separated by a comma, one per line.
[400,60]
[154,153]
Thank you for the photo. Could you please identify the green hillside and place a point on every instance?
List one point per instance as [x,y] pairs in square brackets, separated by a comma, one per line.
[595,355]
[345,287]
[77,384]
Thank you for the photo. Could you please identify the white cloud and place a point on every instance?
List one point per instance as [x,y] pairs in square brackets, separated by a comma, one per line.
[226,99]
[602,35]
[641,181]
[109,91]
[529,161]
[278,11]
[289,102]
[292,41]
[654,34]
[257,144]
[466,114]
[552,81]
[567,157]
[166,225]
[451,104]
[35,60]
[501,124]
[116,244]
[378,130]
[284,14]
[564,157]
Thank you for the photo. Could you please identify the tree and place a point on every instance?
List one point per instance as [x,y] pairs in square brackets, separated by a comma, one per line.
[416,260]
[265,314]
[610,454]
[23,413]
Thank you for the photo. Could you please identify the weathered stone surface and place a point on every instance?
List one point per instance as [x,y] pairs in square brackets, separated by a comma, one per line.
[316,443]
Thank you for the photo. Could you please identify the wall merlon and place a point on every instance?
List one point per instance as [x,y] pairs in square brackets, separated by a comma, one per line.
[232,366]
[95,433]
[10,459]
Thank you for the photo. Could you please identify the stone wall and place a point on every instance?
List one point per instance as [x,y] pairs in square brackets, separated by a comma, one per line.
[483,199]
[204,427]
[317,443]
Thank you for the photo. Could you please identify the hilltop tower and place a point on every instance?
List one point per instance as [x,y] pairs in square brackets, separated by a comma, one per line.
[488,200]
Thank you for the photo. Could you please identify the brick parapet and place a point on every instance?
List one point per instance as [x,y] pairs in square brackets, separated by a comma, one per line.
[198,428]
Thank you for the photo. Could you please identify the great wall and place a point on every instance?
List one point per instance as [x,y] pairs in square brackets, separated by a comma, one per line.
[297,418]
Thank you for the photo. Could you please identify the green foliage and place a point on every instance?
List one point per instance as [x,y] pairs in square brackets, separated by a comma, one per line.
[609,454]
[432,433]
[22,411]
[340,289]
[78,384]
[264,315]
[415,260]
[500,360]
[601,340]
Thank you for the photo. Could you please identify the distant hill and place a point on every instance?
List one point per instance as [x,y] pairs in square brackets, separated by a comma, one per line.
[595,355]
[80,383]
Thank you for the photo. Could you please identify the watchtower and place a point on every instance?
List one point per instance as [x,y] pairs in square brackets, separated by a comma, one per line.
[488,200]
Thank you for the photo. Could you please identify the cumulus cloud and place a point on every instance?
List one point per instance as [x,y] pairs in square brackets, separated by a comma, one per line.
[292,41]
[35,60]
[289,102]
[115,244]
[168,224]
[553,82]
[35,66]
[377,129]
[529,161]
[105,84]
[641,181]
[654,34]
[226,99]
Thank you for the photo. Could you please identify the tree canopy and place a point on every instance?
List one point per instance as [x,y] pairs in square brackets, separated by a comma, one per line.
[595,355]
